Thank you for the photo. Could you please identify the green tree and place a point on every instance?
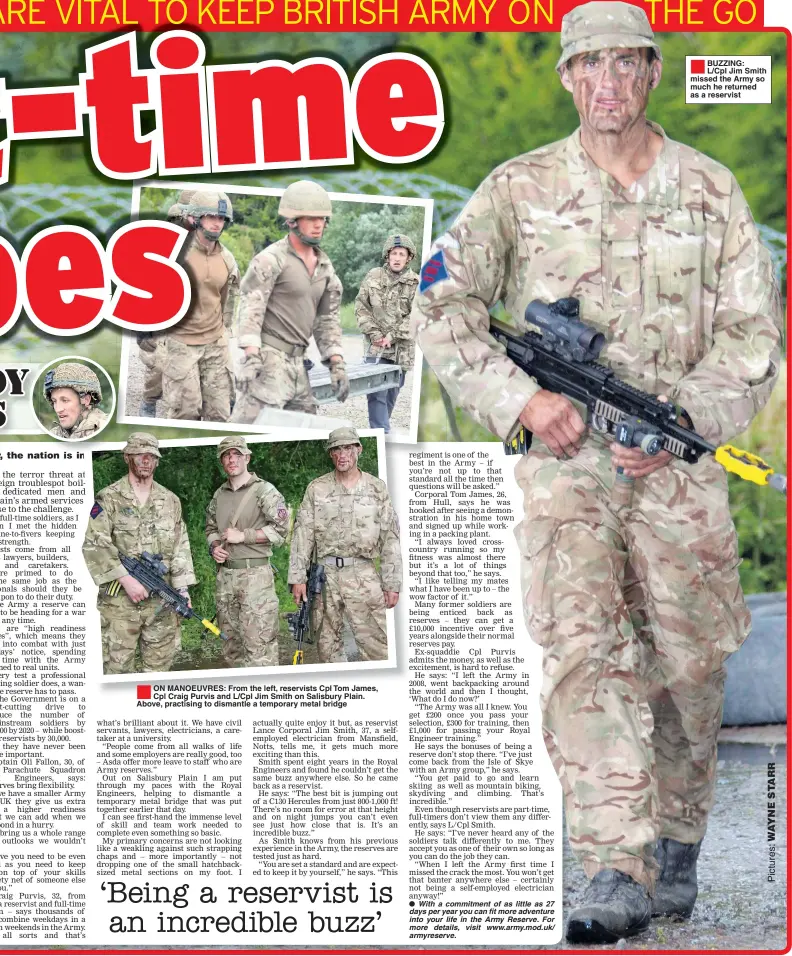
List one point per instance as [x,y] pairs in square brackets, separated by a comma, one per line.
[357,234]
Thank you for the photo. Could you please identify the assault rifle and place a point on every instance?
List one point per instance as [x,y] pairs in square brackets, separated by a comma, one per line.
[150,571]
[300,621]
[563,359]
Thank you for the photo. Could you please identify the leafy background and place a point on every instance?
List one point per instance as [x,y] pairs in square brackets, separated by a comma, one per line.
[194,474]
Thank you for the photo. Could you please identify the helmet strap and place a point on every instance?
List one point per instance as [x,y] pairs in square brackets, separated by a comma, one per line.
[308,240]
[211,236]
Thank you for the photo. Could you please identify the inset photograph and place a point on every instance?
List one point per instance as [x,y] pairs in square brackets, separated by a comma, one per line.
[73,398]
[299,316]
[244,553]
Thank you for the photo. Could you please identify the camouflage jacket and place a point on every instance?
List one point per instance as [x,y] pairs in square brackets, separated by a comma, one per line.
[119,522]
[671,270]
[89,425]
[357,522]
[264,510]
[279,298]
[382,307]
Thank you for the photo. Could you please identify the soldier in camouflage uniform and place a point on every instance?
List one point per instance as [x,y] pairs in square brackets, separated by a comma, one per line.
[345,521]
[133,515]
[245,520]
[74,392]
[147,341]
[637,607]
[290,292]
[194,355]
[382,310]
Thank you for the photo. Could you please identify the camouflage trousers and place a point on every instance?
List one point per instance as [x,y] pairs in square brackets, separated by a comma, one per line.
[152,381]
[636,611]
[272,379]
[149,626]
[247,613]
[197,383]
[355,593]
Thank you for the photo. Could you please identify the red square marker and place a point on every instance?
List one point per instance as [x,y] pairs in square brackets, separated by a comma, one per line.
[144,691]
[698,66]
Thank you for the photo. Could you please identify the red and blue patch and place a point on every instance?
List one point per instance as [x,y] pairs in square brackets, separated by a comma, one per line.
[433,270]
[96,510]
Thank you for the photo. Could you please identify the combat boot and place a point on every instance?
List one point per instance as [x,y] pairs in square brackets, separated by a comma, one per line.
[148,409]
[614,906]
[677,888]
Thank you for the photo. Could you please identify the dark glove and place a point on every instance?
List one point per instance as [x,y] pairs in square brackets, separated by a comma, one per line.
[146,341]
[339,381]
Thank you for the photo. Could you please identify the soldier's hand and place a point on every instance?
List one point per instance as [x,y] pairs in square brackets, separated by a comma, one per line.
[555,421]
[134,589]
[252,350]
[391,598]
[186,594]
[219,554]
[300,592]
[635,463]
[339,380]
[233,536]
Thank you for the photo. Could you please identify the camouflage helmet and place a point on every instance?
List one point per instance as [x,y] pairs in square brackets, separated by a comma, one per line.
[604,25]
[398,241]
[208,202]
[79,378]
[304,198]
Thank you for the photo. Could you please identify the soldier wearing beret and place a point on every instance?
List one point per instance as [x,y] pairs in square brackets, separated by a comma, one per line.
[345,521]
[133,515]
[636,606]
[246,518]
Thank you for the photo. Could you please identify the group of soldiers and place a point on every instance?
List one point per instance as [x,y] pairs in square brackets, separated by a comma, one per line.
[289,294]
[345,522]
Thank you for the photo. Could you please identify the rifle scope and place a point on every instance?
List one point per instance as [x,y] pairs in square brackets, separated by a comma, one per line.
[563,332]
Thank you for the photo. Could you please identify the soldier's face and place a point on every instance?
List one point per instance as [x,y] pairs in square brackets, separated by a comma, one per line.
[68,406]
[610,88]
[397,259]
[345,457]
[311,226]
[142,466]
[233,462]
[212,225]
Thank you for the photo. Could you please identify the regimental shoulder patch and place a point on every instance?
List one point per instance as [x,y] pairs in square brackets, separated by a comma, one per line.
[433,270]
[96,510]
[283,514]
